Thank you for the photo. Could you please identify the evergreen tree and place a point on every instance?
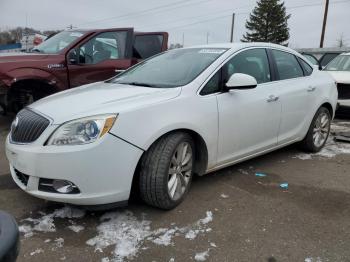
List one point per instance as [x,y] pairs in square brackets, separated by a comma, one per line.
[268,23]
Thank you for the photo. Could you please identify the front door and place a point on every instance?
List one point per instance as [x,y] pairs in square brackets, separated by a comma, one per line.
[248,119]
[98,58]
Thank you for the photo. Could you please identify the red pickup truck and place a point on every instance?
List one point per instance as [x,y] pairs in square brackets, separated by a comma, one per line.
[72,58]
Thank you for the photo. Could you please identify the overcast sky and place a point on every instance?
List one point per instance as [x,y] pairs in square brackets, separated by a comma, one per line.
[195,19]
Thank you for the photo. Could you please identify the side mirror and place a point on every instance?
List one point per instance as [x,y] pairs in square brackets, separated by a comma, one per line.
[72,57]
[241,81]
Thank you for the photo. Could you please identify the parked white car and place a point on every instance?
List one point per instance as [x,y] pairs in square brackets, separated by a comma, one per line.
[186,111]
[339,68]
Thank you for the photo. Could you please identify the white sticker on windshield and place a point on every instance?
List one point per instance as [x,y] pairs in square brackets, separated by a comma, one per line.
[211,51]
[76,34]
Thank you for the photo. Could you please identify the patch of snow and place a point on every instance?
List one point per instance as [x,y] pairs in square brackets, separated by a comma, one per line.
[26,230]
[76,228]
[37,251]
[213,244]
[47,240]
[128,234]
[330,150]
[207,219]
[123,230]
[45,223]
[202,256]
[166,238]
[310,259]
[59,242]
[172,259]
[224,195]
[192,234]
[303,156]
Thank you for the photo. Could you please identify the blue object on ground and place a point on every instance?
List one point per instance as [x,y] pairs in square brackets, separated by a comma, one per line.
[284,185]
[260,174]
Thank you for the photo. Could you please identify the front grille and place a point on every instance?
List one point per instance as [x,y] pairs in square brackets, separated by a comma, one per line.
[343,91]
[22,177]
[28,126]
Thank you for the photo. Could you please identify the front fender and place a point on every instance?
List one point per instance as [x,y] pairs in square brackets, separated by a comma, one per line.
[142,127]
[41,75]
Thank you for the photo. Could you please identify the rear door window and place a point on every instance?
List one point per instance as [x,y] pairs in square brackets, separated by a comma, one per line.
[147,45]
[287,64]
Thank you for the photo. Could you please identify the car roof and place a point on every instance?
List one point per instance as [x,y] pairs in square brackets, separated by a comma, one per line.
[239,45]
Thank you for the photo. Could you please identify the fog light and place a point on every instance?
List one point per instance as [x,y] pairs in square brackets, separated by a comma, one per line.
[63,186]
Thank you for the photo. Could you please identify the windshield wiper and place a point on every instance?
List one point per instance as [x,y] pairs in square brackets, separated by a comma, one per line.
[137,84]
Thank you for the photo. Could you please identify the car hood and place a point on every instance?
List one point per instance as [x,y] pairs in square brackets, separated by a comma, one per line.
[342,77]
[100,98]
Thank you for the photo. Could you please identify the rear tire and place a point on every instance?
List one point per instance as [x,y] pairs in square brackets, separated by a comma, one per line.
[318,132]
[166,171]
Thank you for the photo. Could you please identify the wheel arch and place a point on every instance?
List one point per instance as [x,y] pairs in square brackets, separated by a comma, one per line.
[201,156]
[329,107]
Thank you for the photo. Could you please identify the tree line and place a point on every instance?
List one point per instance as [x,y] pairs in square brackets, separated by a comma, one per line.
[15,35]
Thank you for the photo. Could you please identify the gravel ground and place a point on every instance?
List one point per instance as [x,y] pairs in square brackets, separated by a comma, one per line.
[229,215]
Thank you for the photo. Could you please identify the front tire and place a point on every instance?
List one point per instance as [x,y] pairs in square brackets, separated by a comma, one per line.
[166,171]
[318,132]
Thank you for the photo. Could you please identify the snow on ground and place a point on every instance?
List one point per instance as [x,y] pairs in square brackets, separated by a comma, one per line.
[310,259]
[76,228]
[120,229]
[129,234]
[224,195]
[202,256]
[45,223]
[37,251]
[331,149]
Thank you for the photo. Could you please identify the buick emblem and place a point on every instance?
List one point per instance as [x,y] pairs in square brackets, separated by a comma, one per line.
[14,124]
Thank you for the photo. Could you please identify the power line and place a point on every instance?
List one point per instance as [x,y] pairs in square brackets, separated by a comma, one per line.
[240,13]
[195,17]
[132,14]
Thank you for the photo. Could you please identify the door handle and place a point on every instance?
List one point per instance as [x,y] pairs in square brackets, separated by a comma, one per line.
[272,98]
[311,88]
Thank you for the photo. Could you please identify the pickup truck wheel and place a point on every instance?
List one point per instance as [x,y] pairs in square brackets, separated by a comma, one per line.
[167,170]
[318,132]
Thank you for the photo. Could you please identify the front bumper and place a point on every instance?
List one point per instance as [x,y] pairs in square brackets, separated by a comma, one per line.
[103,170]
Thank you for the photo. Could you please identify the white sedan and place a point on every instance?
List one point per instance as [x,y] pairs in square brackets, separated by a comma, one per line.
[339,68]
[184,112]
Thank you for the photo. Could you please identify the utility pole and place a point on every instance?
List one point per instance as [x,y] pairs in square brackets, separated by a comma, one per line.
[232,27]
[183,39]
[324,23]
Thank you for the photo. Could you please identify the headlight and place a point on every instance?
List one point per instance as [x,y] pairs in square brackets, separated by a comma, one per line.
[82,131]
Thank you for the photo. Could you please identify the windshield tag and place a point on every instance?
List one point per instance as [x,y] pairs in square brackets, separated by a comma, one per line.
[76,34]
[211,51]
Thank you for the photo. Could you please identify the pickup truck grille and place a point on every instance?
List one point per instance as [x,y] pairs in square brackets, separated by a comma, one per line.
[343,91]
[28,126]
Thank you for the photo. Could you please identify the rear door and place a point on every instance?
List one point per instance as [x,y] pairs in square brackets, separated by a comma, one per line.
[98,58]
[297,93]
[149,44]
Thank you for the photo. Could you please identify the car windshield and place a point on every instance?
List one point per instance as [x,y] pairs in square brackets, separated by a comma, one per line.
[171,69]
[58,42]
[340,63]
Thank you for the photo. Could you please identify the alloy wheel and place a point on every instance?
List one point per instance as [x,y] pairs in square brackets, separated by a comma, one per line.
[321,129]
[180,171]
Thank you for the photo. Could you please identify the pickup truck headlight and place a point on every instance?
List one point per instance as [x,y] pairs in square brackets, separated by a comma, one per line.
[82,131]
